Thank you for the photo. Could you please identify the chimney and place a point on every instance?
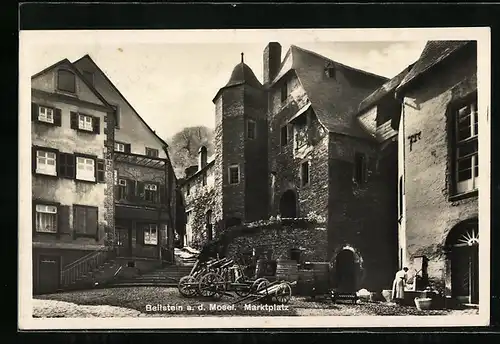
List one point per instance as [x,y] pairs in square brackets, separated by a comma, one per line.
[272,61]
[202,157]
[190,170]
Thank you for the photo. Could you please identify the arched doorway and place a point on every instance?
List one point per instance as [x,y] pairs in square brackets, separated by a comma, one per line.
[463,253]
[288,204]
[346,271]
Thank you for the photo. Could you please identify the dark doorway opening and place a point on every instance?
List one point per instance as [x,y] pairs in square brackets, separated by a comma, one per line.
[345,271]
[49,273]
[288,204]
[210,233]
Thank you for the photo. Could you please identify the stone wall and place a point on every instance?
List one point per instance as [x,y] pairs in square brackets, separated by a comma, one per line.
[279,238]
[431,211]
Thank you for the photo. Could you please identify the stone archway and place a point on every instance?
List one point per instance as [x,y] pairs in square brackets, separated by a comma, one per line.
[462,244]
[288,204]
[347,270]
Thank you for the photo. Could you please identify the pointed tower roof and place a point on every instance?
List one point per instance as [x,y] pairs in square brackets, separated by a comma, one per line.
[242,74]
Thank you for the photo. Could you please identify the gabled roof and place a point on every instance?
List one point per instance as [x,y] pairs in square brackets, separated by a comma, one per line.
[384,90]
[434,52]
[334,111]
[75,70]
[87,56]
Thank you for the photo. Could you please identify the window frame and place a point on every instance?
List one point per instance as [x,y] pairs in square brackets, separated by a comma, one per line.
[84,116]
[56,216]
[155,192]
[360,168]
[119,143]
[86,157]
[467,186]
[250,123]
[284,134]
[302,164]
[148,230]
[204,179]
[58,81]
[230,168]
[39,171]
[149,150]
[53,111]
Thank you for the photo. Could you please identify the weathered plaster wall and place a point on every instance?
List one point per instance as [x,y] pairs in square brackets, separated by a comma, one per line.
[429,212]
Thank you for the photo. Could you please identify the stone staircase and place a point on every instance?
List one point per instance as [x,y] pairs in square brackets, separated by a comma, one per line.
[166,276]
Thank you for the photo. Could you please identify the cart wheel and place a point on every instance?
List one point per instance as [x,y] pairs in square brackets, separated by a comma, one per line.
[241,292]
[212,285]
[262,285]
[283,293]
[256,283]
[187,286]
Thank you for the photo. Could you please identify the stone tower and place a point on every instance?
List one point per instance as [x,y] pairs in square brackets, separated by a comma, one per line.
[240,168]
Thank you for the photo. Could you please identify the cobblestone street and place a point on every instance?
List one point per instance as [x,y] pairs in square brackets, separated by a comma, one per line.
[159,301]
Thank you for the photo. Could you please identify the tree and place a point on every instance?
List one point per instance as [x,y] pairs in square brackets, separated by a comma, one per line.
[185,144]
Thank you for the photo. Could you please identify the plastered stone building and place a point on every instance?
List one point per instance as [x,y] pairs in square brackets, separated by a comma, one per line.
[294,147]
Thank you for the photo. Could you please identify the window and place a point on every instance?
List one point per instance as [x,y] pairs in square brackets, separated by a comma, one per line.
[330,70]
[85,168]
[150,192]
[359,168]
[188,189]
[304,173]
[85,122]
[116,113]
[284,92]
[46,163]
[152,152]
[151,234]
[45,114]
[284,135]
[234,174]
[466,148]
[46,218]
[204,179]
[85,220]
[66,81]
[122,188]
[119,147]
[89,76]
[251,129]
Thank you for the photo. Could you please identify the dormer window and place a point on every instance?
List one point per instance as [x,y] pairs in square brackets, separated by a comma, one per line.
[66,81]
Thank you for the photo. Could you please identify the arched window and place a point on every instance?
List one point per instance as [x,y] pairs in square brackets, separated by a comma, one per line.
[66,81]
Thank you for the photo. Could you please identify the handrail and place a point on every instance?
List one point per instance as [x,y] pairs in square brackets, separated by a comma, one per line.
[70,265]
[83,265]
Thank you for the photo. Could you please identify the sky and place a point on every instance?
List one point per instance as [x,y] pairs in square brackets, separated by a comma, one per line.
[172,84]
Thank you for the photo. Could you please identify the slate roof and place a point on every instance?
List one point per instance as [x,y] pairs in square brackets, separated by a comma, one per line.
[334,106]
[241,74]
[434,52]
[384,90]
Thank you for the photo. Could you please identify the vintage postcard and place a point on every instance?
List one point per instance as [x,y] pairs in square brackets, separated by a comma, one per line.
[269,178]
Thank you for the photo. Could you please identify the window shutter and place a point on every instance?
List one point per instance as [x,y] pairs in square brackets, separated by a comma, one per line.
[34,112]
[61,165]
[96,122]
[73,120]
[140,234]
[163,197]
[63,220]
[100,171]
[77,222]
[33,214]
[92,222]
[57,117]
[33,159]
[127,147]
[66,165]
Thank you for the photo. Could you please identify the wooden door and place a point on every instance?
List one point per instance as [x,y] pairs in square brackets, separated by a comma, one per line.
[49,273]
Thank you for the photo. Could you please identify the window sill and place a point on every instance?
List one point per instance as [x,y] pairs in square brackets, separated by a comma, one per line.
[47,233]
[41,174]
[86,181]
[90,132]
[464,195]
[50,124]
[67,93]
[83,235]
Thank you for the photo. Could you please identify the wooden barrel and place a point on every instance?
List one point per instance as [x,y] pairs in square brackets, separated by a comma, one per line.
[260,268]
[286,270]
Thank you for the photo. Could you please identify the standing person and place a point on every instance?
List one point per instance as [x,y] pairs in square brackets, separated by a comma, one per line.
[398,285]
